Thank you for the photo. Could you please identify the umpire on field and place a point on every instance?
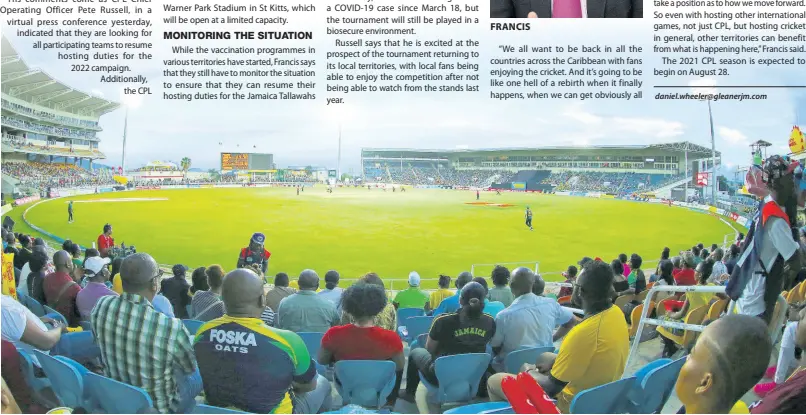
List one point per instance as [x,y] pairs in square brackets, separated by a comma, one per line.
[255,253]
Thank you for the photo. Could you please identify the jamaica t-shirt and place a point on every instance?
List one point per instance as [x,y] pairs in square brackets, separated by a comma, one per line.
[460,335]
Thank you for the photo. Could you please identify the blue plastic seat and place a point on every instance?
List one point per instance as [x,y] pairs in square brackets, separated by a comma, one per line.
[209,409]
[656,386]
[79,346]
[610,398]
[36,384]
[459,376]
[32,304]
[483,408]
[365,382]
[313,341]
[192,326]
[49,312]
[515,360]
[66,381]
[113,397]
[419,341]
[416,326]
[636,393]
[404,313]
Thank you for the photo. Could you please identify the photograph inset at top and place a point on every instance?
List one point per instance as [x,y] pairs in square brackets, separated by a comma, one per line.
[522,9]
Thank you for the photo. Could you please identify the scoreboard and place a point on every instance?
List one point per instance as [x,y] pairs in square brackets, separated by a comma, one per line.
[246,161]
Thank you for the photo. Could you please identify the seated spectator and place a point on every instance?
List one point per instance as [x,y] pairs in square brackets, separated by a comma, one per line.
[163,305]
[788,356]
[466,331]
[32,284]
[720,272]
[490,307]
[733,257]
[305,311]
[693,301]
[96,273]
[332,292]
[593,353]
[207,305]
[539,286]
[387,318]
[730,356]
[621,286]
[114,277]
[451,304]
[664,278]
[130,322]
[75,252]
[626,263]
[198,281]
[686,274]
[281,290]
[61,290]
[362,340]
[177,290]
[501,291]
[11,368]
[8,405]
[253,367]
[442,293]
[412,297]
[570,277]
[530,320]
[24,253]
[696,251]
[19,324]
[636,278]
[788,396]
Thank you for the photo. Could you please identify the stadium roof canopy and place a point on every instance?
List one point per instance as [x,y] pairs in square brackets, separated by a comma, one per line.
[694,150]
[37,87]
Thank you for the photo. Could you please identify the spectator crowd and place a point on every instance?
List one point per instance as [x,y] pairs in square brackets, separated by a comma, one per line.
[41,176]
[250,349]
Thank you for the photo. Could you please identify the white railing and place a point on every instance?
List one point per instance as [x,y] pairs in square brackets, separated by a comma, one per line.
[670,324]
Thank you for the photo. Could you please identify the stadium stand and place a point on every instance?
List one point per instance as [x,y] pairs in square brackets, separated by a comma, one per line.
[622,170]
[650,382]
[49,130]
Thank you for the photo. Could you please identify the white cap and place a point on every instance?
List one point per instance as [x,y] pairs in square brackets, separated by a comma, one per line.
[414,279]
[95,264]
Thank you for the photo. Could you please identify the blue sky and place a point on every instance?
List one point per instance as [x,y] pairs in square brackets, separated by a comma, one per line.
[301,133]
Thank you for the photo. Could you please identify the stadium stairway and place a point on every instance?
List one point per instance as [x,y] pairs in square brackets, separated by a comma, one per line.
[666,191]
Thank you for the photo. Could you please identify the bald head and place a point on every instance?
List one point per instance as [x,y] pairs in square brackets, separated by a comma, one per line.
[62,261]
[138,274]
[308,280]
[522,280]
[463,279]
[242,292]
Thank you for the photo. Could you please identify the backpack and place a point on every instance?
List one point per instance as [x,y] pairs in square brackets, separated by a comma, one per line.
[742,274]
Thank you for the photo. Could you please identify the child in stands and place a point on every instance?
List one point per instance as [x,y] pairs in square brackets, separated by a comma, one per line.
[729,357]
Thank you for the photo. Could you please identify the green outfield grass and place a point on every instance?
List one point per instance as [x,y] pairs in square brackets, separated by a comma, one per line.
[356,231]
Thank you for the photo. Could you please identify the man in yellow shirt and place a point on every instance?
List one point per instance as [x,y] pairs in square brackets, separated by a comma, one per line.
[593,353]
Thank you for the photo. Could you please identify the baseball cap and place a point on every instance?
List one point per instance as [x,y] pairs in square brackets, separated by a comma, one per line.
[258,238]
[179,269]
[414,279]
[95,264]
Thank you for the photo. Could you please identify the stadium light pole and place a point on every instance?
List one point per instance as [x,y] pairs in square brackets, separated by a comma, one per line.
[713,152]
[125,131]
[706,87]
[338,161]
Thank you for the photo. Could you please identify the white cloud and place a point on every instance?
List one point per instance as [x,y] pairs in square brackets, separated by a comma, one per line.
[653,127]
[732,136]
[96,92]
[577,113]
[703,86]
